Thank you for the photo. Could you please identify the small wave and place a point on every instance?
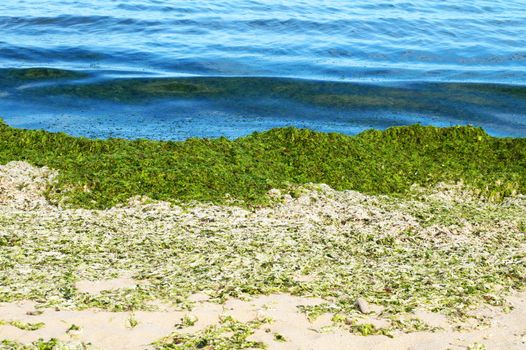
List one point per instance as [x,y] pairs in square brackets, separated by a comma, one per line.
[57,54]
[305,39]
[86,24]
[157,8]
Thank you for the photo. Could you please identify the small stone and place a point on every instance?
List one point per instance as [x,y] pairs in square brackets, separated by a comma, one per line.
[363,306]
[35,313]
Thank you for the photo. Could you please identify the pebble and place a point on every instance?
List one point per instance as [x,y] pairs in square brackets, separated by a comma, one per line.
[363,306]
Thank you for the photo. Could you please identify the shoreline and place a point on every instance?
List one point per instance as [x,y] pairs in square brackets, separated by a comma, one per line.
[92,104]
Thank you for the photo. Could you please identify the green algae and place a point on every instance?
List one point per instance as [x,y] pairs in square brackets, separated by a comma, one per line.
[229,334]
[34,74]
[23,325]
[186,321]
[102,173]
[53,344]
[444,99]
[279,338]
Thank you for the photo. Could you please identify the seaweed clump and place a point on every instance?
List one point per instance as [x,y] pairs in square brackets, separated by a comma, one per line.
[102,173]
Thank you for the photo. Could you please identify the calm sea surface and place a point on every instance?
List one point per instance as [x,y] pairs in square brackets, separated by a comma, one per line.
[178,69]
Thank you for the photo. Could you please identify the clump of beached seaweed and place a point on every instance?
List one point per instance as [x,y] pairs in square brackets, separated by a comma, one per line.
[53,344]
[228,334]
[103,173]
[22,325]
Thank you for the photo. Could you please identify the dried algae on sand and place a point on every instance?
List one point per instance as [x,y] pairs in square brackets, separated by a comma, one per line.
[440,260]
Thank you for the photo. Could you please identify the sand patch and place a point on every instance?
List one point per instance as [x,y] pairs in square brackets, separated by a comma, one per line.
[289,328]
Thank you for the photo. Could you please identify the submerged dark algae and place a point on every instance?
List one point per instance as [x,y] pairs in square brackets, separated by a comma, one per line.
[42,74]
[92,104]
[102,173]
[414,97]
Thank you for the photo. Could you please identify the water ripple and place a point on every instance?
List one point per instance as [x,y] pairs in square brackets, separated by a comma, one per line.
[299,38]
[98,65]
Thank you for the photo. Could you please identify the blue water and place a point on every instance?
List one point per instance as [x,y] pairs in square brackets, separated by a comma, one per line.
[328,65]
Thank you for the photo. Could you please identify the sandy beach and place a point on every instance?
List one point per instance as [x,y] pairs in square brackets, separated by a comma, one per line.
[282,175]
[430,270]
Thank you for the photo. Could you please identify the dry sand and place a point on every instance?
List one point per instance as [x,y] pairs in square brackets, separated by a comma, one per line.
[112,330]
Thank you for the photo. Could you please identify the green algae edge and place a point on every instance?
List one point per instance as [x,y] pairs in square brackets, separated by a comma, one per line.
[103,173]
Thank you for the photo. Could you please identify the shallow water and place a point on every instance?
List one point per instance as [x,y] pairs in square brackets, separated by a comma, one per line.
[328,65]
